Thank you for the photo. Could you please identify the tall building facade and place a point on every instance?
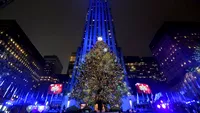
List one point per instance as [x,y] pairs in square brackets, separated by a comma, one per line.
[21,63]
[52,65]
[52,74]
[144,70]
[99,24]
[173,47]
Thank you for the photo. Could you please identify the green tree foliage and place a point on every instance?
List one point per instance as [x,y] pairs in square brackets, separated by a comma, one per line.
[101,78]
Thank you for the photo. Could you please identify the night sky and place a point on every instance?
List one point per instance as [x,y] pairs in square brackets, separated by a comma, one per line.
[56,26]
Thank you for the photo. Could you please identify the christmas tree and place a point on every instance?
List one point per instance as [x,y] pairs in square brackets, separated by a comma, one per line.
[100,79]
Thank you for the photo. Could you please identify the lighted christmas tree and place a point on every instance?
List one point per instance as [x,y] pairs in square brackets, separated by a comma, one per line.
[101,78]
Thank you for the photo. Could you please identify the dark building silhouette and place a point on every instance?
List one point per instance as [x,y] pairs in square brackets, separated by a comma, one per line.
[52,73]
[144,70]
[71,64]
[21,63]
[4,3]
[52,65]
[173,47]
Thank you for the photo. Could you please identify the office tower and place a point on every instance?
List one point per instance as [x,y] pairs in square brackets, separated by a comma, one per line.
[52,69]
[52,65]
[144,70]
[98,26]
[21,63]
[71,64]
[173,47]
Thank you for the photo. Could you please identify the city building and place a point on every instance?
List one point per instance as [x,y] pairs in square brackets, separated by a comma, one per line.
[52,72]
[52,65]
[144,70]
[4,3]
[173,47]
[98,26]
[21,63]
[71,64]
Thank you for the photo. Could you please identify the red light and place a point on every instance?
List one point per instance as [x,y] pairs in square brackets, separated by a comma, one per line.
[55,88]
[143,88]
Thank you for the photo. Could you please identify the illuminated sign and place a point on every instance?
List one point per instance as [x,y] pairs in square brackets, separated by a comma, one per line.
[55,88]
[143,88]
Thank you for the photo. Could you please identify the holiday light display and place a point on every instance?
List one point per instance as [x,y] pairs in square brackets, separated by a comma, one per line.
[101,78]
[55,88]
[143,88]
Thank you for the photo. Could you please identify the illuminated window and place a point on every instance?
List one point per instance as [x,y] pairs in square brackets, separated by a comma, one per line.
[72,58]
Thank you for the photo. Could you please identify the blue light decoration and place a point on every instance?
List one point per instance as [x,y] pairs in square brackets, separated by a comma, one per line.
[47,103]
[9,103]
[36,103]
[2,83]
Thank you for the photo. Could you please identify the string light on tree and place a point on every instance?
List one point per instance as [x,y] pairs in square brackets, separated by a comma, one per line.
[105,49]
[100,77]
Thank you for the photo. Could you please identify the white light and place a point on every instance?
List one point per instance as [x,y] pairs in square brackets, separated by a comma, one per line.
[4,108]
[99,38]
[68,103]
[163,106]
[105,49]
[130,101]
[41,108]
[0,106]
[36,103]
[47,103]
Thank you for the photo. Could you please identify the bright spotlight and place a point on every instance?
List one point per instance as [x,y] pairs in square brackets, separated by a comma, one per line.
[163,106]
[40,108]
[99,38]
[158,106]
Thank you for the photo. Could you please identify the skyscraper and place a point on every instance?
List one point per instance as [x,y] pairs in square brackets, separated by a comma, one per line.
[52,65]
[173,47]
[98,25]
[21,65]
[144,70]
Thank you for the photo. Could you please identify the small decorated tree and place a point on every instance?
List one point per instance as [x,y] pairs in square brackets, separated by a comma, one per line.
[100,79]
